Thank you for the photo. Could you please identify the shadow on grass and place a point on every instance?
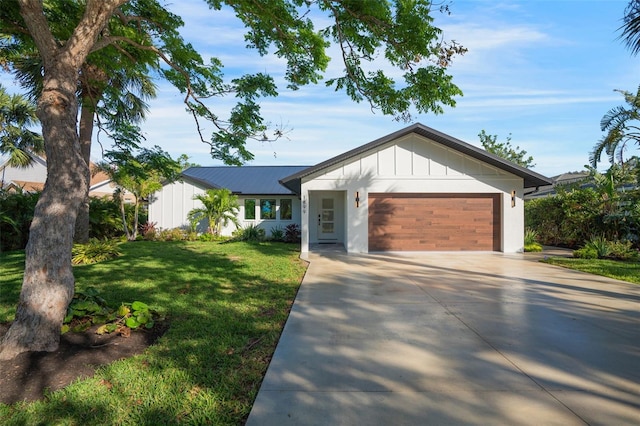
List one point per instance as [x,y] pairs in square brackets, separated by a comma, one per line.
[226,305]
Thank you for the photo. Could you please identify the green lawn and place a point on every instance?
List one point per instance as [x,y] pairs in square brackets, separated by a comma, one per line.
[227,304]
[625,271]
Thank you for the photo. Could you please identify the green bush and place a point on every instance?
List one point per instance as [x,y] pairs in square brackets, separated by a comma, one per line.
[250,233]
[530,236]
[87,308]
[174,234]
[622,250]
[94,251]
[600,245]
[533,247]
[16,210]
[585,253]
[277,233]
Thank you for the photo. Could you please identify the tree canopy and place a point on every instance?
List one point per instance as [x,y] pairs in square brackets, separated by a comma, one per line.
[17,140]
[393,57]
[505,149]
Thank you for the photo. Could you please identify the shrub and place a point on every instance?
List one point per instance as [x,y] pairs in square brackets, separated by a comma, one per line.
[585,253]
[250,233]
[173,234]
[533,247]
[530,236]
[277,233]
[207,237]
[622,250]
[88,308]
[16,210]
[94,251]
[148,231]
[292,233]
[600,245]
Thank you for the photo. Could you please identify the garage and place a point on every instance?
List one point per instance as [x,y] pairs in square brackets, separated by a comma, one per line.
[434,222]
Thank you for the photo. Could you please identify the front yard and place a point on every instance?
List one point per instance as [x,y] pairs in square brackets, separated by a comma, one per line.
[625,271]
[226,304]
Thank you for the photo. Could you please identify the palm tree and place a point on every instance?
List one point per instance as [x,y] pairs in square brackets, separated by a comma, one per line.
[17,114]
[631,27]
[621,129]
[219,207]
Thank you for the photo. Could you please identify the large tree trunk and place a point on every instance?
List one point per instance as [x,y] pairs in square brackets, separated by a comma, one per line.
[48,284]
[91,82]
[86,132]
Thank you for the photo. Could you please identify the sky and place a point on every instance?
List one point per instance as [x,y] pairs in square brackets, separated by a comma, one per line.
[544,72]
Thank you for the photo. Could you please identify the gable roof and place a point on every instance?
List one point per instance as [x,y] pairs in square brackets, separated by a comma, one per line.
[531,178]
[254,180]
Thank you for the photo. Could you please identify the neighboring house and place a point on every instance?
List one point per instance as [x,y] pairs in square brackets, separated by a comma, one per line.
[563,180]
[414,190]
[32,178]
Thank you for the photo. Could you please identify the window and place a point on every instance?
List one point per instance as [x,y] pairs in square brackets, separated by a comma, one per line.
[285,209]
[249,209]
[267,209]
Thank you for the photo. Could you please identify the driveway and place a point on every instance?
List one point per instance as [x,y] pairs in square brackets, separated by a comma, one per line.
[454,338]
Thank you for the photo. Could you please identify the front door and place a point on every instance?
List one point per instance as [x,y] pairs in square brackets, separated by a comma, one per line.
[326,219]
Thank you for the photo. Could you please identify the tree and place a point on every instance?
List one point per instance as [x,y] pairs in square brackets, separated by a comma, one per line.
[400,32]
[505,150]
[622,126]
[17,115]
[140,175]
[219,207]
[631,26]
[113,84]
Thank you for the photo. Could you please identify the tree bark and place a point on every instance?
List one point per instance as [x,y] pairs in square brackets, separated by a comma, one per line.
[48,283]
[85,135]
[92,81]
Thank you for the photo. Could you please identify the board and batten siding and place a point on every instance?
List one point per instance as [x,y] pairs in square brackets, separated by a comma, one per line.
[169,208]
[415,164]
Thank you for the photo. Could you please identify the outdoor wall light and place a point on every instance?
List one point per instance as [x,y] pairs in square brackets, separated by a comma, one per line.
[513,198]
[357,199]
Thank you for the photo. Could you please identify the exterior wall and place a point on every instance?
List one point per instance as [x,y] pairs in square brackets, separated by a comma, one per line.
[36,172]
[413,164]
[169,208]
[267,224]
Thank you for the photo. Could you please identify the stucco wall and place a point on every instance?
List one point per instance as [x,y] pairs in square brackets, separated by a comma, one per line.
[414,164]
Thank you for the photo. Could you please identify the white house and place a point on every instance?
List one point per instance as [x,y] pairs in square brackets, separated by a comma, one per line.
[414,190]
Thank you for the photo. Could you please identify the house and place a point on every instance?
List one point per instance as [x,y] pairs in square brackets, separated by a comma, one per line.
[32,178]
[414,190]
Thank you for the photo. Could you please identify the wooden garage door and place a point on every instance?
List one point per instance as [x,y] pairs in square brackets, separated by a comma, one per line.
[434,222]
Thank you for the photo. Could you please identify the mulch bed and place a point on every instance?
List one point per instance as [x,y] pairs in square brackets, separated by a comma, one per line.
[29,375]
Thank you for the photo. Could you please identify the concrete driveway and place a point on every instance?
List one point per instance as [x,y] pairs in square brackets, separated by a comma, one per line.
[454,338]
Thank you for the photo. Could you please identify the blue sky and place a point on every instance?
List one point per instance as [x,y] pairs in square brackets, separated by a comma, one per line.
[544,71]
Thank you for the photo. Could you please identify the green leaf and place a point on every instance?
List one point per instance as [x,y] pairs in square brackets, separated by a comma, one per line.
[139,306]
[131,322]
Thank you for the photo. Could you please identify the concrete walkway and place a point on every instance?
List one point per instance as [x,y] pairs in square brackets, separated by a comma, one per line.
[454,338]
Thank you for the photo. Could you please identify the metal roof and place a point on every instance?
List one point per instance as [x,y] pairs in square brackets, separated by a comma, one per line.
[254,180]
[531,178]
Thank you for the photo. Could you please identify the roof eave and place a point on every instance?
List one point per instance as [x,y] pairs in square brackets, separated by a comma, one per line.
[531,179]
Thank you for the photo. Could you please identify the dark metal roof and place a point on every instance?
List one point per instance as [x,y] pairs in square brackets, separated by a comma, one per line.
[531,179]
[254,180]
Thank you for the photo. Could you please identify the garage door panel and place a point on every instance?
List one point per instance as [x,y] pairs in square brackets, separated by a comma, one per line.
[427,222]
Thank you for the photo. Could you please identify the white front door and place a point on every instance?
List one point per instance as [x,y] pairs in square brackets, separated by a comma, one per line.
[327,219]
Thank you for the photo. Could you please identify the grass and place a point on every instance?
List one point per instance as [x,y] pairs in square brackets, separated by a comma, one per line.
[625,271]
[227,304]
